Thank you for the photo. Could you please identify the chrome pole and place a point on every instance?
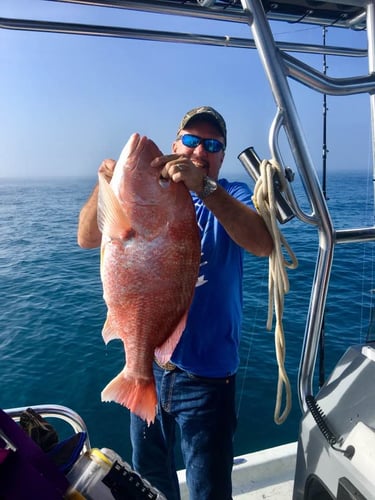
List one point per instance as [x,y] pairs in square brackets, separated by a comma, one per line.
[276,73]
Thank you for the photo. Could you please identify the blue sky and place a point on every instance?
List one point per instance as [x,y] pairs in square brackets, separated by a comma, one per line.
[69,101]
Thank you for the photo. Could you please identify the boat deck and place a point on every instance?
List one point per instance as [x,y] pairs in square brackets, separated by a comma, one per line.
[265,474]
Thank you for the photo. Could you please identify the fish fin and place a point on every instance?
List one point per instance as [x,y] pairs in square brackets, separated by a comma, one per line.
[164,352]
[108,332]
[138,395]
[112,220]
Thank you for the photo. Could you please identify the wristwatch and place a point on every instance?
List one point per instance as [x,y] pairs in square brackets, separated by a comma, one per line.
[209,186]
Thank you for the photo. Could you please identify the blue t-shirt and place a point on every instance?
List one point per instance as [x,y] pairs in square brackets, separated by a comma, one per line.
[210,342]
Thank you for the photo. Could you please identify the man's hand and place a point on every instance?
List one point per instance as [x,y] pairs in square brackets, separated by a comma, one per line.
[181,169]
[106,168]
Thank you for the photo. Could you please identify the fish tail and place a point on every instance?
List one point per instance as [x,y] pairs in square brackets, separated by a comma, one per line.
[138,395]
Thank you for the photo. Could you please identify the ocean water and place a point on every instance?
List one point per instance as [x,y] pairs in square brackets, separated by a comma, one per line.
[52,311]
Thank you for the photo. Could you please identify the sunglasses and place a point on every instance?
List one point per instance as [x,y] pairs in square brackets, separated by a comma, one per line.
[193,141]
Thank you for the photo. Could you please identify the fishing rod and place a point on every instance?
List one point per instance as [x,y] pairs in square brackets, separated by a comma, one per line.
[324,187]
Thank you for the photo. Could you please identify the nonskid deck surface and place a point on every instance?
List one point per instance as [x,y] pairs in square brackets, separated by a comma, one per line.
[265,474]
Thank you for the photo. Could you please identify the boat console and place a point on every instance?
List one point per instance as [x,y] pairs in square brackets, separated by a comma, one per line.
[335,457]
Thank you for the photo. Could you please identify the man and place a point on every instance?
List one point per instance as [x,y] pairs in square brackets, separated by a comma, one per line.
[196,389]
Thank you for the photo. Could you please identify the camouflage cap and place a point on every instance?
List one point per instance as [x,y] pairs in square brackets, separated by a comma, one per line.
[206,112]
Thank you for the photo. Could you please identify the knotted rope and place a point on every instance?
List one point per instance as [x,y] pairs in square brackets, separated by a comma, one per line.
[278,282]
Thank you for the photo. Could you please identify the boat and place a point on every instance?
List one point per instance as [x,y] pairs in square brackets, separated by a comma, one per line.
[334,457]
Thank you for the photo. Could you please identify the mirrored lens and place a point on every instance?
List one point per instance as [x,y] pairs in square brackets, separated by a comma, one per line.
[190,141]
[212,145]
[193,141]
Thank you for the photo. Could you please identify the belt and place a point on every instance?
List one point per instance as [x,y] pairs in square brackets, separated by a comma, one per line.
[169,366]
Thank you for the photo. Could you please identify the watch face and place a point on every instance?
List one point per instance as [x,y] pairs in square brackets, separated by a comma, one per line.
[209,186]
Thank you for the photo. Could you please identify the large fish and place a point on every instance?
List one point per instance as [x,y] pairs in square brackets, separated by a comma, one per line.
[150,256]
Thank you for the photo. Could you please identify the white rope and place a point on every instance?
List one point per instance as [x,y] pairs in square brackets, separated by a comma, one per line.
[278,283]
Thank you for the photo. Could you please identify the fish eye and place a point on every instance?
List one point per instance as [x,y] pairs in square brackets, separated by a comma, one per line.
[164,183]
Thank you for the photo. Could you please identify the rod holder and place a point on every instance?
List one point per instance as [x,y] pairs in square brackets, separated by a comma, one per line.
[251,162]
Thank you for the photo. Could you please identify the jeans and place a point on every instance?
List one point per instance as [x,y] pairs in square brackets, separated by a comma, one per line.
[204,410]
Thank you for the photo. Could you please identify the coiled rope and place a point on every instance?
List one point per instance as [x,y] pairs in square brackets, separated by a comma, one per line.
[278,282]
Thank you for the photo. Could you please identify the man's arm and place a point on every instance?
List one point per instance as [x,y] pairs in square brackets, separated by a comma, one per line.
[88,234]
[245,226]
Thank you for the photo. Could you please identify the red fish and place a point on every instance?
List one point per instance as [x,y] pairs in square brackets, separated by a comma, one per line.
[150,256]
